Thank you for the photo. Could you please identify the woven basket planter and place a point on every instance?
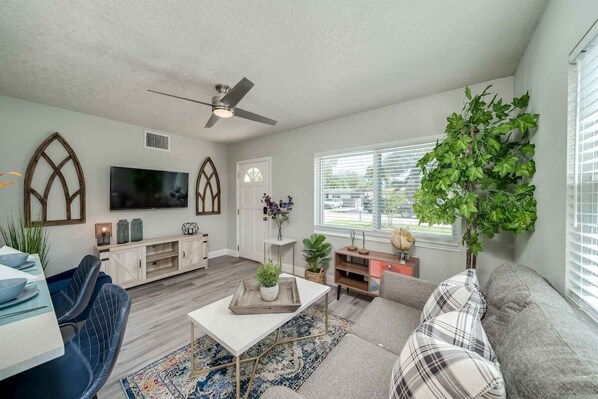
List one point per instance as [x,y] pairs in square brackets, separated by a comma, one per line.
[316,277]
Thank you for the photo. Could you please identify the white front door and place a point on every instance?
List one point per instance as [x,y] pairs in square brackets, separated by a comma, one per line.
[253,180]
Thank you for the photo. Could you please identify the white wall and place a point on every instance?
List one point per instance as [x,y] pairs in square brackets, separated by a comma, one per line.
[100,143]
[293,173]
[543,71]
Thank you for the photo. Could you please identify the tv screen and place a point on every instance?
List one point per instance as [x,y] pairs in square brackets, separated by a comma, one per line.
[147,189]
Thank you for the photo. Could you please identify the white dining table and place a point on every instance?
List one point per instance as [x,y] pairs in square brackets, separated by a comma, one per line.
[29,339]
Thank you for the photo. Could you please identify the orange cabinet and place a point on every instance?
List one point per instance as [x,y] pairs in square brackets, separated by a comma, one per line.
[377,267]
[363,273]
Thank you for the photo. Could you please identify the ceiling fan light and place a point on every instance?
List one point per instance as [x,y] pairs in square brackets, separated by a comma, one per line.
[223,112]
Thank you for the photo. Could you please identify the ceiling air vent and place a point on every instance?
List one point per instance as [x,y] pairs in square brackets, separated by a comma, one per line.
[157,141]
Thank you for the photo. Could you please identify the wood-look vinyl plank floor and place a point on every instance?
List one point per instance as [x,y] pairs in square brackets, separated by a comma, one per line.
[158,321]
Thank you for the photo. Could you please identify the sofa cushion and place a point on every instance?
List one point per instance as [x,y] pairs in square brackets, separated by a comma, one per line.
[387,324]
[431,368]
[510,288]
[549,352]
[453,294]
[353,369]
[460,328]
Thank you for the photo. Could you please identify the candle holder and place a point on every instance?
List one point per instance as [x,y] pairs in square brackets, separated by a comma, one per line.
[363,250]
[190,228]
[103,233]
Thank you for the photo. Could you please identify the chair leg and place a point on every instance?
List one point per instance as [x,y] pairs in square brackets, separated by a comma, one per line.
[74,326]
[65,336]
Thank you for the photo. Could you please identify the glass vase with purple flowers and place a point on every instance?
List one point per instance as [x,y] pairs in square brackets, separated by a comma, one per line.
[278,211]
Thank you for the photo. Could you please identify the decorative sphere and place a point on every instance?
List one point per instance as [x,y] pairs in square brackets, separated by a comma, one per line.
[402,239]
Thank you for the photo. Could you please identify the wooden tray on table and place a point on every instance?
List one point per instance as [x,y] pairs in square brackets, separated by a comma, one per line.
[247,298]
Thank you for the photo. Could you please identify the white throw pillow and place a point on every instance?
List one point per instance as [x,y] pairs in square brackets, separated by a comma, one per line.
[453,294]
[431,368]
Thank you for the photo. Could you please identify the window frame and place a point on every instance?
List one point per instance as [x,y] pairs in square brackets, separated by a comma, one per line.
[574,184]
[451,243]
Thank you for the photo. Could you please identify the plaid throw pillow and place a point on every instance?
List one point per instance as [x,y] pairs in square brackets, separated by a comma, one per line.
[431,368]
[453,294]
[461,328]
[466,277]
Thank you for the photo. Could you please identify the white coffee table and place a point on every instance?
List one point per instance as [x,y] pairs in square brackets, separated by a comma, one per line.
[238,333]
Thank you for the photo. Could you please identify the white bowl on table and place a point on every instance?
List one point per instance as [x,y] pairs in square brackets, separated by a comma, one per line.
[14,259]
[11,288]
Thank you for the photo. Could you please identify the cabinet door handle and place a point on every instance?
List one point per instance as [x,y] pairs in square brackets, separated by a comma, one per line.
[140,263]
[183,254]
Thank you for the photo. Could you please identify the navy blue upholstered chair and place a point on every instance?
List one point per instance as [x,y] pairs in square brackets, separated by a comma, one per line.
[88,359]
[73,299]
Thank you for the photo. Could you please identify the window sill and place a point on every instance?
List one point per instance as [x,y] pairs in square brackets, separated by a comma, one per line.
[450,244]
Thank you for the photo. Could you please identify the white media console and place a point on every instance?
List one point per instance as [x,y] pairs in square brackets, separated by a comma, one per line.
[143,261]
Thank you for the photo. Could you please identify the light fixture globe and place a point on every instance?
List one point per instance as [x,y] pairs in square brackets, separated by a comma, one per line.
[222,112]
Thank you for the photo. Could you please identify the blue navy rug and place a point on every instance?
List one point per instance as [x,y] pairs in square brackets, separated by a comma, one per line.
[288,365]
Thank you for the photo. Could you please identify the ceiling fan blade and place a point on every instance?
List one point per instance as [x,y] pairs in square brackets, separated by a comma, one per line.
[241,113]
[237,93]
[213,119]
[180,98]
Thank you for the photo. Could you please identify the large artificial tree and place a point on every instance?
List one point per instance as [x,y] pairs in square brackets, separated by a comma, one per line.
[480,171]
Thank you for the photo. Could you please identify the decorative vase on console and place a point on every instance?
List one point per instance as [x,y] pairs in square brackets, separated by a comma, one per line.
[136,230]
[122,231]
[278,211]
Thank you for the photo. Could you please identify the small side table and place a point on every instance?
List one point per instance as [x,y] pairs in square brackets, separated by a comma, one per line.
[279,244]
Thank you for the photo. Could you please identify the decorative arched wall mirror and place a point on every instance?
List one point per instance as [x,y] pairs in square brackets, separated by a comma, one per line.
[54,185]
[207,190]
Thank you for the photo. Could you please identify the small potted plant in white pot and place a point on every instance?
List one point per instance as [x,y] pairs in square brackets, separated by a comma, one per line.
[315,252]
[267,275]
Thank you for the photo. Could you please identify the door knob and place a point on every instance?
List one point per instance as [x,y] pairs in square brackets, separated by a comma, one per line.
[265,218]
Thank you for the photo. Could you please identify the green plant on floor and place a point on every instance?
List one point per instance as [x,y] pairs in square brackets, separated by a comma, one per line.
[32,239]
[267,274]
[316,251]
[480,171]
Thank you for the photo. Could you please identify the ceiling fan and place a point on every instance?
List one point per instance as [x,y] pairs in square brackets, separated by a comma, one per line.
[224,105]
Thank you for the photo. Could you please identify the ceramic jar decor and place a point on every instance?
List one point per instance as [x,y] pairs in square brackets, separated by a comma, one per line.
[136,230]
[122,231]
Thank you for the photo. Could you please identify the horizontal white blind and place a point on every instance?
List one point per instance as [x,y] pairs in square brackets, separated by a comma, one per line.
[582,182]
[372,190]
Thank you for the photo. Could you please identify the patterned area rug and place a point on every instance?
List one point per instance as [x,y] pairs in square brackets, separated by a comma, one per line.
[287,365]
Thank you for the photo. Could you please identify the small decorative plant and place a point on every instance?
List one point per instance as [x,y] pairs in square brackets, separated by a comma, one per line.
[278,211]
[32,239]
[267,275]
[480,172]
[316,252]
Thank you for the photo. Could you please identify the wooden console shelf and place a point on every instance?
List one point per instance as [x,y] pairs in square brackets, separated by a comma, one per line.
[364,272]
[140,262]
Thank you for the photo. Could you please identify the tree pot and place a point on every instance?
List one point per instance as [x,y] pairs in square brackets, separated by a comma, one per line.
[269,294]
[319,277]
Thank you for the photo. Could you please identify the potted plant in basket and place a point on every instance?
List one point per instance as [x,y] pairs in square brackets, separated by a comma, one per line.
[267,275]
[316,252]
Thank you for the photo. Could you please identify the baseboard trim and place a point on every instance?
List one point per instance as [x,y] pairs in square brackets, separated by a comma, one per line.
[232,252]
[217,253]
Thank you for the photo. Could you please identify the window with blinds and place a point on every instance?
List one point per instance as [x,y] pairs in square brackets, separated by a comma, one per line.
[582,180]
[372,190]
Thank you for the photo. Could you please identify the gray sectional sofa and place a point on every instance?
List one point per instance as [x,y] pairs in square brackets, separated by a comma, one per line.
[546,347]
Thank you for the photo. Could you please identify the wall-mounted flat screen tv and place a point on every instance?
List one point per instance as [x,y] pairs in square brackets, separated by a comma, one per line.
[147,189]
